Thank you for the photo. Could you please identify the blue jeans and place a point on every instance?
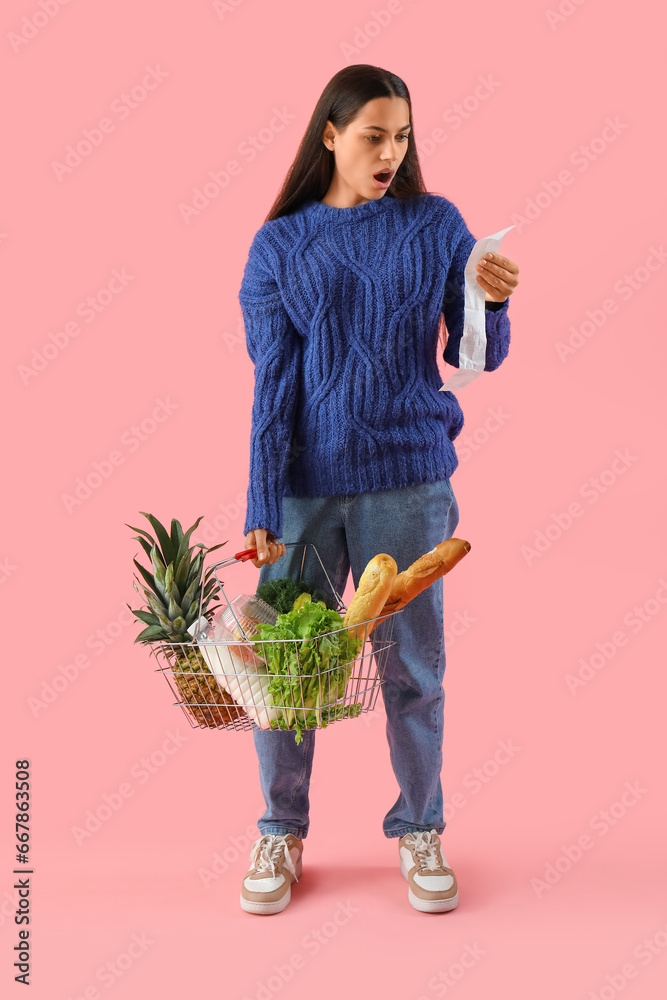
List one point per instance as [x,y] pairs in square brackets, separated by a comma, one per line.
[347,532]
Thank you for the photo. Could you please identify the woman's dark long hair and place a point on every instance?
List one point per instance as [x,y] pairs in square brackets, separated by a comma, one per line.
[341,101]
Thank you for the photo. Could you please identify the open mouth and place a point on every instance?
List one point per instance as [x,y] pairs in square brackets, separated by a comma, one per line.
[384,176]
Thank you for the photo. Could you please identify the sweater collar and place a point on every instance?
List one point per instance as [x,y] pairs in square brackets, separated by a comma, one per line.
[329,213]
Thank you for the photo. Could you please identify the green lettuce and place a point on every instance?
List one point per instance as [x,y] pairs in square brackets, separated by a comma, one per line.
[310,670]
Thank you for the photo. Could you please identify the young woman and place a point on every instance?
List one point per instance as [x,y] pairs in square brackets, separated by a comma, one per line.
[346,287]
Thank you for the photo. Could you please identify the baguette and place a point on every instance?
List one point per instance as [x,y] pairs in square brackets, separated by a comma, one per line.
[422,573]
[371,595]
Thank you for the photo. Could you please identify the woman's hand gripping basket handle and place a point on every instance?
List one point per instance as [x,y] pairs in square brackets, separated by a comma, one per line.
[269,549]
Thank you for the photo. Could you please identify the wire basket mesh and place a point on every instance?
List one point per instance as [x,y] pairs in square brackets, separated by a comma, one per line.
[246,682]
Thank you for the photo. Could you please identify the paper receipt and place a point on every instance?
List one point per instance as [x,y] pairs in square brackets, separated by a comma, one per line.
[472,349]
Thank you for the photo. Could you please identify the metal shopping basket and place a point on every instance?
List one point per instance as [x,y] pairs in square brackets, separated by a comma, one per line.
[243,682]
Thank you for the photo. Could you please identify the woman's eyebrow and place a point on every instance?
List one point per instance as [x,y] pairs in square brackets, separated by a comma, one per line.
[378,128]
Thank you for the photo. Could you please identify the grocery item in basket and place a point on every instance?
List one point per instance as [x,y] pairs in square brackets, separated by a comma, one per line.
[422,573]
[237,668]
[310,656]
[249,613]
[282,593]
[371,594]
[173,586]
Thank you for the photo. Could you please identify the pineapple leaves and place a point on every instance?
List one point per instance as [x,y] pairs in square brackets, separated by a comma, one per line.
[151,634]
[150,580]
[159,568]
[176,571]
[214,547]
[185,541]
[182,572]
[174,610]
[176,533]
[143,532]
[208,590]
[142,541]
[196,570]
[160,613]
[147,618]
[169,579]
[162,536]
[190,594]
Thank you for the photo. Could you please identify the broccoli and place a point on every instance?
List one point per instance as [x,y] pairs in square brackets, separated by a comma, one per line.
[281,594]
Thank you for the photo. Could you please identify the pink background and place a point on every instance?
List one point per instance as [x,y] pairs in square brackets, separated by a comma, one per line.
[174,333]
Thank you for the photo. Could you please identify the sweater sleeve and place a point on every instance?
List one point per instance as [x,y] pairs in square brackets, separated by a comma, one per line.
[497,322]
[274,348]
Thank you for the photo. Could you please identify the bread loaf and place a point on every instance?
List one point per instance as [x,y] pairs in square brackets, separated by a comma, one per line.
[371,594]
[422,573]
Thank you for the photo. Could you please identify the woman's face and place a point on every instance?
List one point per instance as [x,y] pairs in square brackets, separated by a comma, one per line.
[377,140]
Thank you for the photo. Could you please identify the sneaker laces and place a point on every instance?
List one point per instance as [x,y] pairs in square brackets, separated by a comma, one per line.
[426,849]
[270,850]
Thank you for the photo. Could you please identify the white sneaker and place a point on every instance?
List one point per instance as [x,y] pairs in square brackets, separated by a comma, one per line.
[276,863]
[432,885]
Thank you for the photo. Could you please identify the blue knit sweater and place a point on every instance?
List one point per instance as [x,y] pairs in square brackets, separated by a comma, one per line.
[341,309]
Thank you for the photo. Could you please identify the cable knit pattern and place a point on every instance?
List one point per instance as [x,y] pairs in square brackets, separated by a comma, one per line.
[341,310]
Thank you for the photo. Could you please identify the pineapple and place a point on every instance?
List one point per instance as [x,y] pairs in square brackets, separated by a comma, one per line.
[173,593]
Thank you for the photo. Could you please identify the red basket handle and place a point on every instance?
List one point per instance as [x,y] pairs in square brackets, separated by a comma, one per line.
[247,554]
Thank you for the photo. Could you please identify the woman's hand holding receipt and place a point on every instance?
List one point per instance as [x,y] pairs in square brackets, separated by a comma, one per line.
[498,276]
[495,278]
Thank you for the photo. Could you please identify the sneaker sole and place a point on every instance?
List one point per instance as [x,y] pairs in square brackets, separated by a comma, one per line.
[276,905]
[429,905]
[256,906]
